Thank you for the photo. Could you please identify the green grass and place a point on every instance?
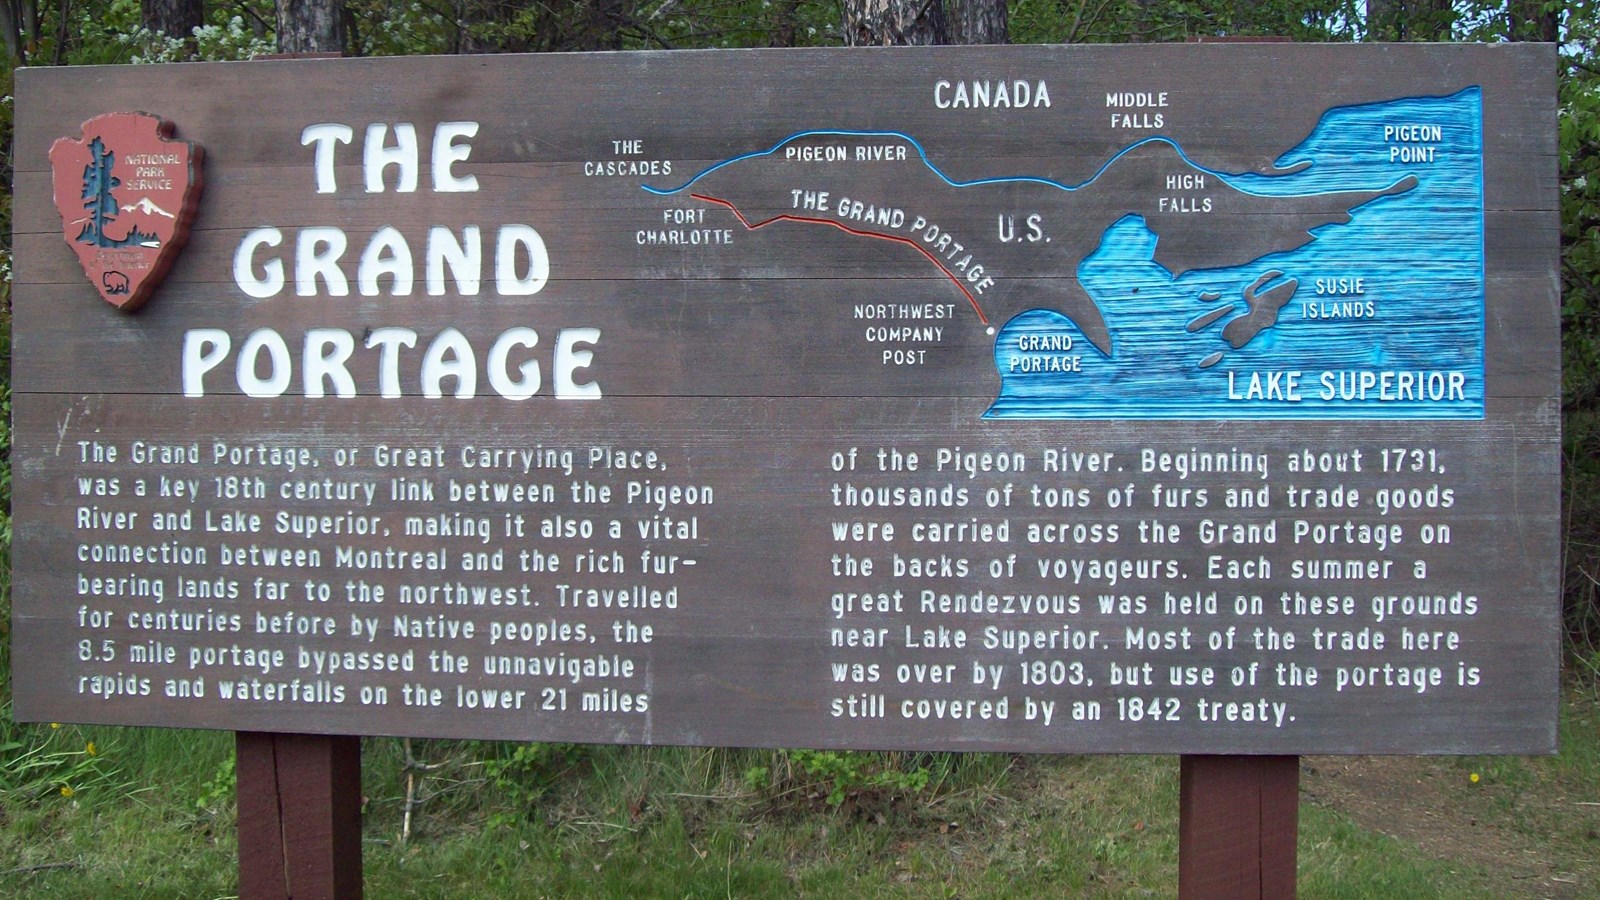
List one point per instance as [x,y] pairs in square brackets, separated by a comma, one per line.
[119,823]
[1340,859]
[151,814]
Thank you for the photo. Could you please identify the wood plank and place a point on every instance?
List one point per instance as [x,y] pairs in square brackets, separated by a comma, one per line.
[1238,822]
[299,799]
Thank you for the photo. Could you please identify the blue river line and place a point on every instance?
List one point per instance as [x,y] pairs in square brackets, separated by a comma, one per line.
[1231,178]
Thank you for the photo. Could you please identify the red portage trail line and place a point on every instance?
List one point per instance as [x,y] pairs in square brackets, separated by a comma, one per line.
[785,217]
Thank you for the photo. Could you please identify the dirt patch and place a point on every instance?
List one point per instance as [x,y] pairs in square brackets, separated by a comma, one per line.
[1508,835]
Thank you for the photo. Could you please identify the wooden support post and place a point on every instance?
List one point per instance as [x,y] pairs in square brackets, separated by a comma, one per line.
[1238,822]
[299,801]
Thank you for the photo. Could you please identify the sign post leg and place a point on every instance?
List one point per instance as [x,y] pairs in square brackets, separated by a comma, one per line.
[1238,821]
[299,798]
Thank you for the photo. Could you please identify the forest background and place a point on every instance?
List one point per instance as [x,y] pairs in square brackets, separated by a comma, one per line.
[92,810]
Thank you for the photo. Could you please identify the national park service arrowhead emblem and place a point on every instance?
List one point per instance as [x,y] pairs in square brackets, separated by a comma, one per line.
[127,193]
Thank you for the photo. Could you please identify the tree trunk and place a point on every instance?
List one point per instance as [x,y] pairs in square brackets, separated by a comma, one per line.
[882,23]
[20,19]
[310,26]
[173,18]
[979,22]
[11,23]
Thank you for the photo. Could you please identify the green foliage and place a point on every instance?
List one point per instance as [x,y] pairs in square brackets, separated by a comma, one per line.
[1124,21]
[521,777]
[396,28]
[217,794]
[1580,329]
[224,41]
[847,773]
[757,778]
[863,779]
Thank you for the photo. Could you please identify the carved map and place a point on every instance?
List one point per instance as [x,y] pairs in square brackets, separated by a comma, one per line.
[1350,286]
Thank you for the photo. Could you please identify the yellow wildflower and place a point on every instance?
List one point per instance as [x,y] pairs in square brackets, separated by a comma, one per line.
[90,749]
[66,790]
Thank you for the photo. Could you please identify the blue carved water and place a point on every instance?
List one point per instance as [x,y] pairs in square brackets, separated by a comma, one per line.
[1415,353]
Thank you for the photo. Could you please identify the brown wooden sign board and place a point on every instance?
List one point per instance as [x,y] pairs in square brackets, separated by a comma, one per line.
[1193,399]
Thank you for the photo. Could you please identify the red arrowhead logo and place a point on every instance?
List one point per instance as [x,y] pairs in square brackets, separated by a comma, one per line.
[127,193]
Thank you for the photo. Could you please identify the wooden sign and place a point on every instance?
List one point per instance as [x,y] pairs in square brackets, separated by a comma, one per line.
[1193,399]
